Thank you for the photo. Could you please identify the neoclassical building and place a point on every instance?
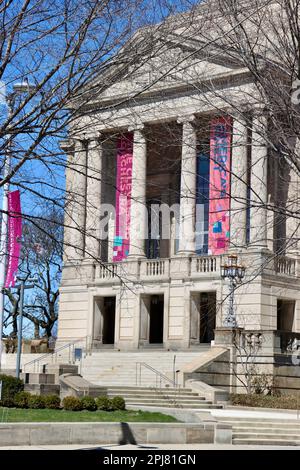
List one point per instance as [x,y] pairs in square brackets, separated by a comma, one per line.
[193,141]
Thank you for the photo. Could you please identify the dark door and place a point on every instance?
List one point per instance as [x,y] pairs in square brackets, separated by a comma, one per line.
[156,333]
[207,316]
[109,312]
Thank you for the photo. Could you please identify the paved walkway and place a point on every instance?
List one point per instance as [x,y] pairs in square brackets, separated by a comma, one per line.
[145,447]
[263,414]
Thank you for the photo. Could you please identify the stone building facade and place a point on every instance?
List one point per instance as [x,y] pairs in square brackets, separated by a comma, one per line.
[129,291]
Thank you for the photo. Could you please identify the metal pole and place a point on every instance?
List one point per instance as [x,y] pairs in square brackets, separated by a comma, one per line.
[3,239]
[20,326]
[230,319]
[174,376]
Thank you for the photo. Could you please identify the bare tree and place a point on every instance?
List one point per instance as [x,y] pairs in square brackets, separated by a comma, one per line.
[41,260]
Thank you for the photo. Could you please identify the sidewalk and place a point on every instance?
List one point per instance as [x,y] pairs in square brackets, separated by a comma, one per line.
[256,413]
[147,447]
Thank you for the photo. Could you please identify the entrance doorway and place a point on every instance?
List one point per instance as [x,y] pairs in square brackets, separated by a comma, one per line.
[156,332]
[203,317]
[285,314]
[104,321]
[152,320]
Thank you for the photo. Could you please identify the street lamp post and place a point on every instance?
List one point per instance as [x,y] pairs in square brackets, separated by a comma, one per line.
[22,286]
[235,273]
[18,89]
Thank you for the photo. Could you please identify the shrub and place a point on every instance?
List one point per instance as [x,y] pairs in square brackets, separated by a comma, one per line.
[104,403]
[8,403]
[21,399]
[266,401]
[118,403]
[72,404]
[52,402]
[36,402]
[10,387]
[88,403]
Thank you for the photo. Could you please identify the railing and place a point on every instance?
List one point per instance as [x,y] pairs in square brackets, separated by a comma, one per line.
[155,268]
[289,341]
[108,271]
[206,264]
[285,265]
[52,357]
[160,378]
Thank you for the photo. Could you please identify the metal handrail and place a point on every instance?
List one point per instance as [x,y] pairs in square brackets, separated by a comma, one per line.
[54,353]
[159,375]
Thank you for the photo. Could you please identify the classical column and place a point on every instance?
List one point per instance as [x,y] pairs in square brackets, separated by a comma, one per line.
[238,203]
[138,211]
[188,187]
[293,208]
[93,198]
[259,191]
[74,223]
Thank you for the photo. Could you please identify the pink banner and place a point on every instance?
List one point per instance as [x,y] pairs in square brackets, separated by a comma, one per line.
[14,237]
[219,187]
[123,196]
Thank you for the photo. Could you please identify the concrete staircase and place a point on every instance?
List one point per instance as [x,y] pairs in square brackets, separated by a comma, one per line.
[165,397]
[119,368]
[264,431]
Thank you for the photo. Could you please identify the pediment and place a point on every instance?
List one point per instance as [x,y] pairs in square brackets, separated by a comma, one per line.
[168,66]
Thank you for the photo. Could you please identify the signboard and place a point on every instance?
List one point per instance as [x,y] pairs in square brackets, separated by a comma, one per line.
[219,186]
[14,237]
[123,196]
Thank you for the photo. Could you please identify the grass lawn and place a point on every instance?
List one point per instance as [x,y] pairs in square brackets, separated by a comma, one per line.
[18,415]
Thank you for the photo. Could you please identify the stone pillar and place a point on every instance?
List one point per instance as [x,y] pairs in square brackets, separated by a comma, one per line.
[238,204]
[111,234]
[93,198]
[75,200]
[138,211]
[292,207]
[188,187]
[259,191]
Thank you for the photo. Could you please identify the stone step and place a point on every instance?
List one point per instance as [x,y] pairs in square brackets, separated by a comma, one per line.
[152,390]
[186,406]
[254,420]
[266,435]
[284,426]
[266,442]
[265,429]
[133,388]
[156,395]
[157,399]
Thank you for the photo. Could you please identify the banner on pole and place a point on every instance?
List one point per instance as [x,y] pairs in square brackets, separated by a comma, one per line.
[123,196]
[219,187]
[14,237]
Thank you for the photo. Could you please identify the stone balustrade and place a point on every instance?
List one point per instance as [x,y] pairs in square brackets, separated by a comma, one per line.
[285,266]
[161,269]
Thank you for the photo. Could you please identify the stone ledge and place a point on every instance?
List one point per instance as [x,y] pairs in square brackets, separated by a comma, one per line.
[105,433]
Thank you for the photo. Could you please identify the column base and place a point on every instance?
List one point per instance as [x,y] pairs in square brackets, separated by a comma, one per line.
[185,253]
[134,257]
[224,336]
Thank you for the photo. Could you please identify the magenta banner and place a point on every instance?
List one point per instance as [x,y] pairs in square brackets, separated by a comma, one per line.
[123,196]
[219,186]
[14,237]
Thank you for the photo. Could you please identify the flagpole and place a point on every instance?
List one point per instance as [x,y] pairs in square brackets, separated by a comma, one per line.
[3,237]
[18,89]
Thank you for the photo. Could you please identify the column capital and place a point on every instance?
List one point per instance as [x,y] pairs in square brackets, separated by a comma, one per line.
[136,127]
[190,118]
[94,138]
[67,145]
[259,111]
[239,117]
